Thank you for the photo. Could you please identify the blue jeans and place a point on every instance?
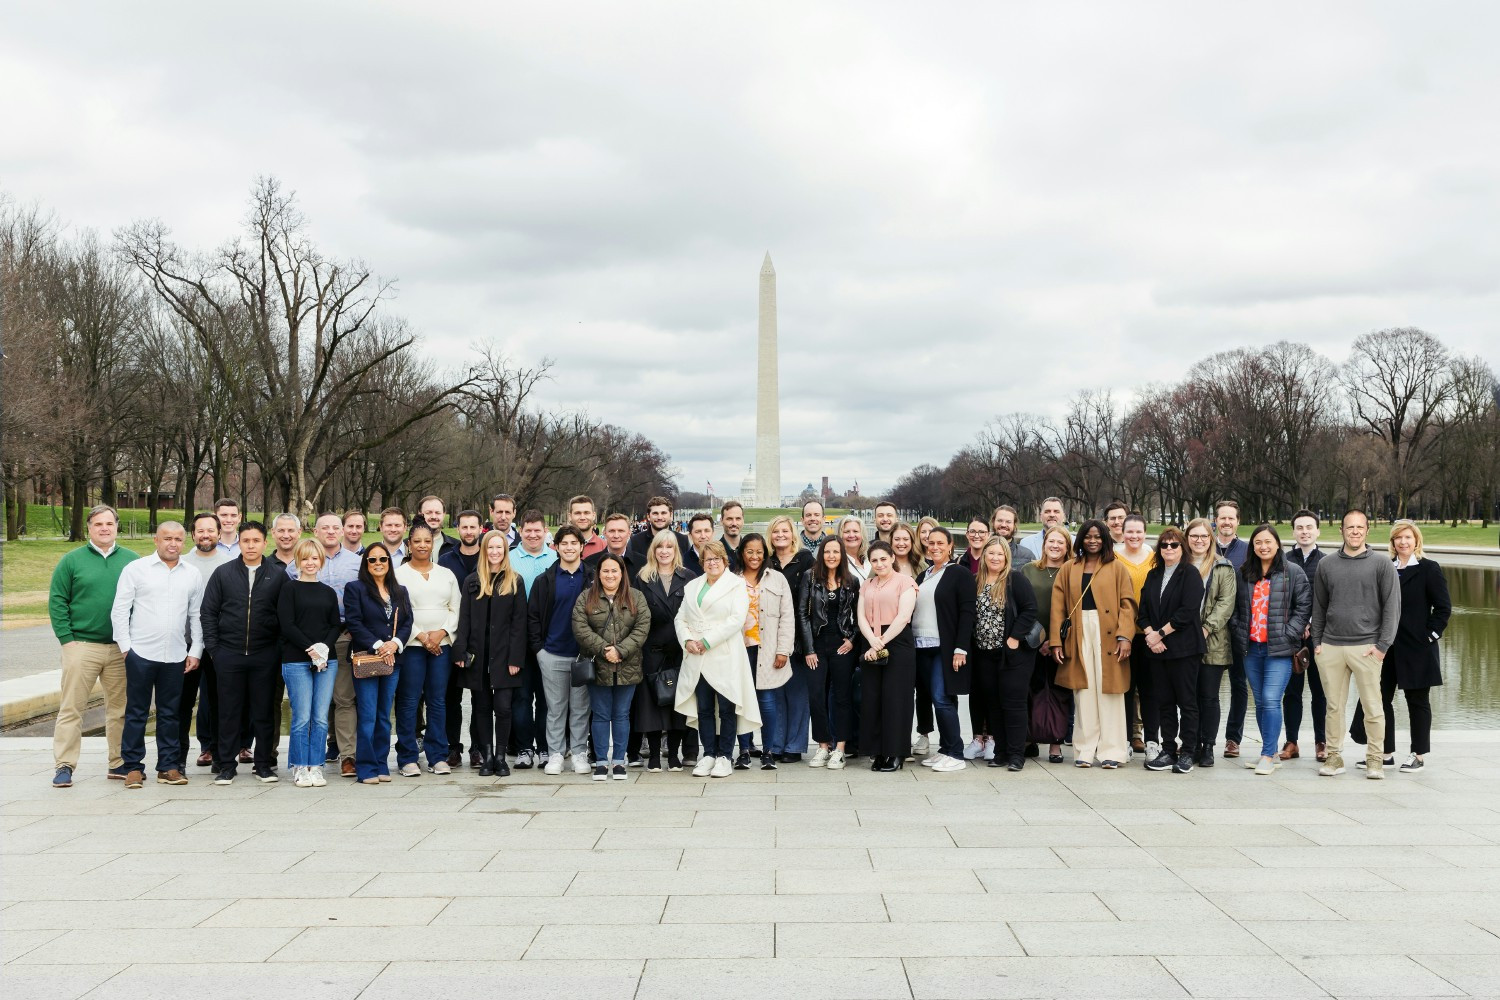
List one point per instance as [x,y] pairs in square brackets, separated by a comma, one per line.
[944,704]
[143,679]
[423,675]
[1268,676]
[797,702]
[310,692]
[773,719]
[717,742]
[372,723]
[611,708]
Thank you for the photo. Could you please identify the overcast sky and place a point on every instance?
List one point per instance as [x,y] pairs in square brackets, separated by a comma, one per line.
[972,208]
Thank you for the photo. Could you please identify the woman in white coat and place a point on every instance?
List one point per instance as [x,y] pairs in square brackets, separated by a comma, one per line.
[715,667]
[769,642]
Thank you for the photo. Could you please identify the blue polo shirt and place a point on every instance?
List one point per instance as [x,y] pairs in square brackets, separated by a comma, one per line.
[560,640]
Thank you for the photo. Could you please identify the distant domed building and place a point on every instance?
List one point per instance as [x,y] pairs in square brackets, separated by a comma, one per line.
[747,486]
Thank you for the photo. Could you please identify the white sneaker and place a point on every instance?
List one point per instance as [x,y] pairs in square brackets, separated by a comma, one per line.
[1153,749]
[441,767]
[922,745]
[410,771]
[581,763]
[835,760]
[944,764]
[820,758]
[929,761]
[704,768]
[300,778]
[989,748]
[315,776]
[554,765]
[974,749]
[723,768]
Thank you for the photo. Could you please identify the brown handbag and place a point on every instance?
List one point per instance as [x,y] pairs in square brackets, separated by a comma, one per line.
[367,665]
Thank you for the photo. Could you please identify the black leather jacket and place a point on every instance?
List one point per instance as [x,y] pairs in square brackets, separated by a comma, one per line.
[812,606]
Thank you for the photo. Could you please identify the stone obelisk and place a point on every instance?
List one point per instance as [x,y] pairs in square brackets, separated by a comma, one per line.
[767,397]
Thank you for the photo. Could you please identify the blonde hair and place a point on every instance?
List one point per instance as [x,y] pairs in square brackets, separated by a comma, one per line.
[864,543]
[982,580]
[913,558]
[666,536]
[503,582]
[791,526]
[1416,534]
[713,550]
[1056,529]
[308,547]
[1211,557]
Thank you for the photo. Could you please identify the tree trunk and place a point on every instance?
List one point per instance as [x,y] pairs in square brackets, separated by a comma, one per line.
[80,484]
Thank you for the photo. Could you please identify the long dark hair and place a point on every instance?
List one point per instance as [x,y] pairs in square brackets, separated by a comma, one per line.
[392,587]
[765,554]
[1251,571]
[846,578]
[623,596]
[1106,551]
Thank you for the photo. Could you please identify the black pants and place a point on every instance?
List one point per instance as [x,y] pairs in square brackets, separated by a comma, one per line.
[1142,694]
[1291,704]
[1002,684]
[888,689]
[1418,707]
[1210,676]
[925,721]
[1239,699]
[453,719]
[201,687]
[278,698]
[839,721]
[529,715]
[248,683]
[490,718]
[1176,684]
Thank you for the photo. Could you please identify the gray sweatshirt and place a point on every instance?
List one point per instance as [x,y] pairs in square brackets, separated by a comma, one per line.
[1356,601]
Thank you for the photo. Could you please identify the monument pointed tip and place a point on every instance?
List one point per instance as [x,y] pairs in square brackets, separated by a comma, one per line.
[766,267]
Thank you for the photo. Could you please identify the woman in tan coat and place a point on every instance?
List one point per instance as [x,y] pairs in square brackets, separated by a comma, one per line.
[1093,623]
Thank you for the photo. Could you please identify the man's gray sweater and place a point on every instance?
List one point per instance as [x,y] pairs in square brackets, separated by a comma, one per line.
[1356,601]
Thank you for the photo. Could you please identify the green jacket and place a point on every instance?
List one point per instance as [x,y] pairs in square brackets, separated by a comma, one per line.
[83,592]
[612,626]
[1219,592]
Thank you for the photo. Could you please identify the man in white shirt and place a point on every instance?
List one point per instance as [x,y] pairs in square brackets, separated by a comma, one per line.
[202,686]
[156,626]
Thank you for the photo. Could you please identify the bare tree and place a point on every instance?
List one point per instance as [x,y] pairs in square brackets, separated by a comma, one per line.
[1397,381]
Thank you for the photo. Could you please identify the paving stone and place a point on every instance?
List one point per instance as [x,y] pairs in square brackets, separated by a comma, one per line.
[574,911]
[837,939]
[1373,976]
[524,980]
[1190,835]
[970,858]
[53,982]
[739,838]
[369,862]
[1405,835]
[816,835]
[887,881]
[1117,977]
[1478,975]
[717,859]
[79,887]
[1374,937]
[1187,906]
[610,820]
[1272,880]
[1255,975]
[1134,937]
[1156,879]
[306,885]
[1253,904]
[995,906]
[354,912]
[234,980]
[1087,835]
[1415,905]
[1347,857]
[773,908]
[403,944]
[674,883]
[65,915]
[660,941]
[828,978]
[456,884]
[114,945]
[198,863]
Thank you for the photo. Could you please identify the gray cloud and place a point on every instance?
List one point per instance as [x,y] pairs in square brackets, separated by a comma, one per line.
[972,209]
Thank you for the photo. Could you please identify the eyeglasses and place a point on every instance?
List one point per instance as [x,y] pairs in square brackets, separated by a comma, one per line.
[1170,545]
[377,560]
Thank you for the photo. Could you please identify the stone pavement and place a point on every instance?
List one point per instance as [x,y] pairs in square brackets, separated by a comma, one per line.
[802,883]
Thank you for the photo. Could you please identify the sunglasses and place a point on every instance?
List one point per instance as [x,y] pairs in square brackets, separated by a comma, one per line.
[1171,545]
[377,560]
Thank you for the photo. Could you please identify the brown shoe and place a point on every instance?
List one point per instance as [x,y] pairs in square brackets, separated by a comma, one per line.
[135,779]
[1231,748]
[1138,745]
[205,759]
[1322,751]
[246,756]
[173,777]
[346,767]
[1289,751]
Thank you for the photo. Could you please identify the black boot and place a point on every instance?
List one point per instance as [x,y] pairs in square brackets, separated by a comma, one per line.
[486,762]
[499,766]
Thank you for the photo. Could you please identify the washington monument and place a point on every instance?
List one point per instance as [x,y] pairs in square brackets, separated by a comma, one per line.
[767,397]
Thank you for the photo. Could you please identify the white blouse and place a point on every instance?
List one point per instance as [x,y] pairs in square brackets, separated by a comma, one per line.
[434,600]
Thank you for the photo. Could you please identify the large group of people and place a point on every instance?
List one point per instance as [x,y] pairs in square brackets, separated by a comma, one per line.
[653,648]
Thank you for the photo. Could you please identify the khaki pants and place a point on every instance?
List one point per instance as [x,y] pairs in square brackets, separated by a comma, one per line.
[343,702]
[1335,665]
[1100,731]
[83,665]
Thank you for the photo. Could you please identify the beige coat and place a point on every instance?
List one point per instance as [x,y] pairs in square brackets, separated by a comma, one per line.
[778,630]
[719,622]
[1114,593]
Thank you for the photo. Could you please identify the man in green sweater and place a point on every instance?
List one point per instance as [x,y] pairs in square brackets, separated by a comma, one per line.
[79,603]
[1356,607]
